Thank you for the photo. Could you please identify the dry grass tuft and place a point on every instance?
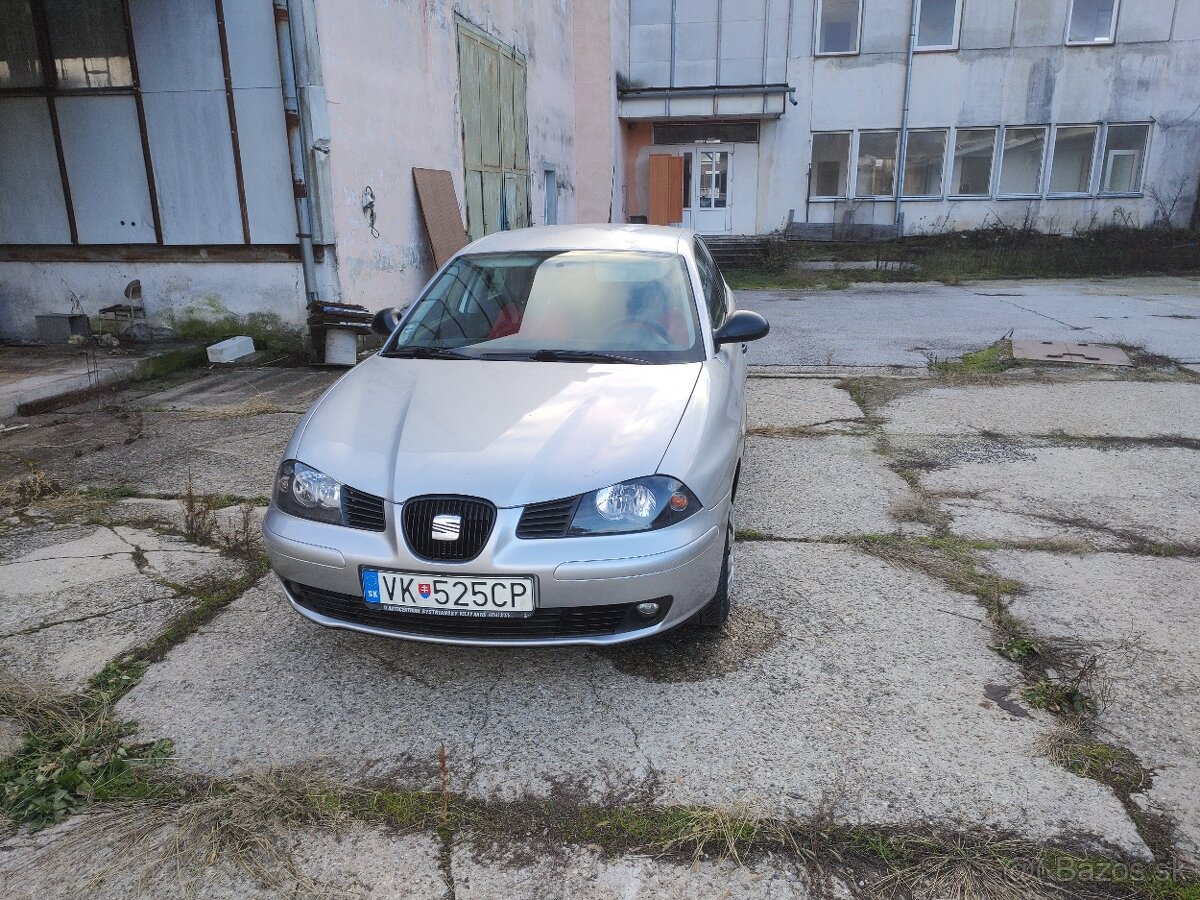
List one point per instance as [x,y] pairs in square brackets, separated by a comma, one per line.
[727,833]
[964,869]
[236,829]
[244,410]
[1077,750]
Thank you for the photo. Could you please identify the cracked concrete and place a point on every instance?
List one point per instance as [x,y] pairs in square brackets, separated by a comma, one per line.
[525,873]
[354,861]
[68,608]
[1142,614]
[813,716]
[799,403]
[816,487]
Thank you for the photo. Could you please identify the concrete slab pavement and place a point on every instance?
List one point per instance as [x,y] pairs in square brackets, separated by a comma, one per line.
[908,323]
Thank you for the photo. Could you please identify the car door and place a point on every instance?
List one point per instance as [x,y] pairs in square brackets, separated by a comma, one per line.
[729,363]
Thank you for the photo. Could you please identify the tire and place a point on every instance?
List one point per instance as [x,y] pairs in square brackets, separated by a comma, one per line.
[714,616]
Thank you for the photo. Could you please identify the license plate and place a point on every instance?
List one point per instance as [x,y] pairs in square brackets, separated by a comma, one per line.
[425,593]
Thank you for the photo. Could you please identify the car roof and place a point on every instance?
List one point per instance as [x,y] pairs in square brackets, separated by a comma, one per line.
[646,238]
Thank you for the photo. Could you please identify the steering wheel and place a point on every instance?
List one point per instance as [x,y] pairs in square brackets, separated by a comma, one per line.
[640,327]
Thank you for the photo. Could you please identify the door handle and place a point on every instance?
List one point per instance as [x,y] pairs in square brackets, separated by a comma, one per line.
[745,348]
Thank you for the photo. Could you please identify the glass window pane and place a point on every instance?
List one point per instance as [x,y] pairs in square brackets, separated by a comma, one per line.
[88,42]
[924,163]
[877,164]
[838,32]
[687,181]
[1071,170]
[1091,21]
[1021,168]
[714,179]
[937,23]
[830,165]
[1124,159]
[20,65]
[974,149]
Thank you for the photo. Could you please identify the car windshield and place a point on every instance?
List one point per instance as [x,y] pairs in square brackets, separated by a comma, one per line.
[572,306]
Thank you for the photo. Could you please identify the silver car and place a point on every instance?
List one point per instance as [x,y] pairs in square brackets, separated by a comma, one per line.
[545,451]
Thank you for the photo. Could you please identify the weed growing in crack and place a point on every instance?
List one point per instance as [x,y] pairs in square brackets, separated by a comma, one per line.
[1074,747]
[989,361]
[1018,648]
[75,752]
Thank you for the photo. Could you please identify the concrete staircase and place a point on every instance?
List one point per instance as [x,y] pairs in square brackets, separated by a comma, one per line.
[738,251]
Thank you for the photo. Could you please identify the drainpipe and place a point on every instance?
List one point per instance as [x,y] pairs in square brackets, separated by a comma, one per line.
[295,135]
[902,158]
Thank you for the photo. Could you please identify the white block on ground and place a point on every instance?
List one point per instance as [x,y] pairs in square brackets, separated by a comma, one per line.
[231,349]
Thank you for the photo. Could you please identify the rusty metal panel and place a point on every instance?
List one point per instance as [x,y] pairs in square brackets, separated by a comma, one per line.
[193,167]
[32,207]
[1059,351]
[102,146]
[266,169]
[439,209]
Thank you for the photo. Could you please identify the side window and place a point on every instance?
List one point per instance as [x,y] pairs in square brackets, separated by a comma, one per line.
[713,285]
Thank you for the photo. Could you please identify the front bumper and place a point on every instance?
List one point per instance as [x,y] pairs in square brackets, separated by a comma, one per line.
[578,579]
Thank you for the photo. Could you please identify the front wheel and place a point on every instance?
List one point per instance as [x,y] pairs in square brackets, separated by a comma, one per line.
[716,613]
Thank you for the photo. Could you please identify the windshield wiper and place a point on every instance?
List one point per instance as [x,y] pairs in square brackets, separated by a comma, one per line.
[567,356]
[426,353]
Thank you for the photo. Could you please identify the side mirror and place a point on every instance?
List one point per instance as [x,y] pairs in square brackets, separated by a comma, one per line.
[386,320]
[741,327]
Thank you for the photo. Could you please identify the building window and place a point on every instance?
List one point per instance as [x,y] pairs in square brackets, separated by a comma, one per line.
[974,150]
[838,25]
[1124,159]
[830,164]
[1092,21]
[877,164]
[924,161]
[1071,166]
[1021,165]
[88,44]
[937,27]
[550,204]
[20,61]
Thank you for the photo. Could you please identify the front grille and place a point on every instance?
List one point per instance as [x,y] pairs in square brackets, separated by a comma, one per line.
[478,517]
[555,622]
[547,520]
[362,510]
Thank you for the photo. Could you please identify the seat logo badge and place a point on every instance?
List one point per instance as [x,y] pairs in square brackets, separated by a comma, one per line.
[446,528]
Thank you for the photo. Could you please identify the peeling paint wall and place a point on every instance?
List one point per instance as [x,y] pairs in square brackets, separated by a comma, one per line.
[170,291]
[391,77]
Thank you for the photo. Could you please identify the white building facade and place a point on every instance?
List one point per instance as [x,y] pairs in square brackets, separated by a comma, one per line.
[934,114]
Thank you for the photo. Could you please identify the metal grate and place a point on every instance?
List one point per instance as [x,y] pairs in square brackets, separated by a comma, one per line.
[547,520]
[477,518]
[362,510]
[554,622]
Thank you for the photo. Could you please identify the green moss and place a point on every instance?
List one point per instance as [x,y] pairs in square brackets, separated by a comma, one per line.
[988,361]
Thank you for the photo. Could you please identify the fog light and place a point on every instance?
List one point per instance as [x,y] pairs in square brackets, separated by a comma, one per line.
[647,610]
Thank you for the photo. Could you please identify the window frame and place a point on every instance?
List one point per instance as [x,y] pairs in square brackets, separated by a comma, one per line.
[825,198]
[1102,160]
[1112,28]
[818,9]
[940,48]
[720,297]
[1052,149]
[993,170]
[1040,189]
[945,155]
[856,155]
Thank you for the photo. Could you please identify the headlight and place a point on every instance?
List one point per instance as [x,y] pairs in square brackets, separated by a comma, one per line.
[303,491]
[642,504]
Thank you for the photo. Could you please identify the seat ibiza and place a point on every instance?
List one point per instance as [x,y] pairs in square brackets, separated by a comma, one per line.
[545,451]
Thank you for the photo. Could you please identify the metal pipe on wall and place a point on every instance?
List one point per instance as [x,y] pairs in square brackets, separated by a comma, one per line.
[296,151]
[902,150]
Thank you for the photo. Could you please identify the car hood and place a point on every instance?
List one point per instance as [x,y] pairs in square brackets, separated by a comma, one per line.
[512,432]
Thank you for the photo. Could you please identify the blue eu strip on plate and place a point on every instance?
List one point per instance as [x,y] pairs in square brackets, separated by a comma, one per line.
[370,579]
